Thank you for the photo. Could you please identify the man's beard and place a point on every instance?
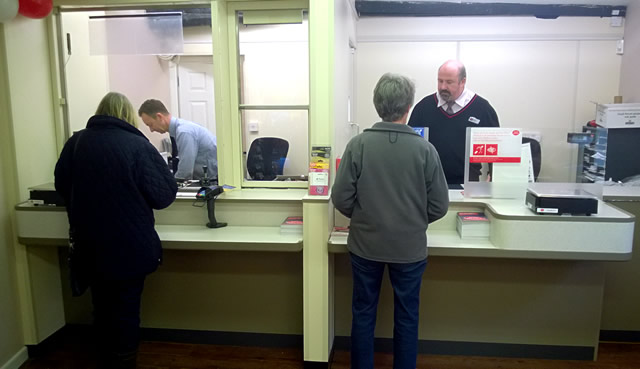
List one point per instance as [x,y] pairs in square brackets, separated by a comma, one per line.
[445,95]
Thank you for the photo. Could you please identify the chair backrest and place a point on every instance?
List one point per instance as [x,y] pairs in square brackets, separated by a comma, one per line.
[266,158]
[536,154]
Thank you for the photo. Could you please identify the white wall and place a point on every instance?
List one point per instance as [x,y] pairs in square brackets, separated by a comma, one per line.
[141,77]
[630,76]
[344,74]
[539,75]
[87,76]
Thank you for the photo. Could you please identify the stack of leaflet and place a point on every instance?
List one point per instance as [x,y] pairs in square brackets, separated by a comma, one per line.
[292,224]
[472,225]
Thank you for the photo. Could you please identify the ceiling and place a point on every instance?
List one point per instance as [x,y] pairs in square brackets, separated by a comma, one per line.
[545,2]
[538,8]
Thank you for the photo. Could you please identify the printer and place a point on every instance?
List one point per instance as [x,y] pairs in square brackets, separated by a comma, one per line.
[562,201]
[45,195]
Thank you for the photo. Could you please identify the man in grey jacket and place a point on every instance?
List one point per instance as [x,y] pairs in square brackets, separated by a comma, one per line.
[391,184]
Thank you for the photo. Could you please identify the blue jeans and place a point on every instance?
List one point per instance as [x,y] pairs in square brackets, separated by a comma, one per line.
[367,279]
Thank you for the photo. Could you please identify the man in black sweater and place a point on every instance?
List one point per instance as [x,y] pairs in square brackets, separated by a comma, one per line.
[447,113]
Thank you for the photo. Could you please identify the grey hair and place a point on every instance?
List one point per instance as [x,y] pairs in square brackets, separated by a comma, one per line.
[393,96]
[462,73]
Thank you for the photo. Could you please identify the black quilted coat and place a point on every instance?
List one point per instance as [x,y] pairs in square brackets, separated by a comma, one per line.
[111,182]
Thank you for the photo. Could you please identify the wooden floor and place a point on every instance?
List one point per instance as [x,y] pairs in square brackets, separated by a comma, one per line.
[157,355]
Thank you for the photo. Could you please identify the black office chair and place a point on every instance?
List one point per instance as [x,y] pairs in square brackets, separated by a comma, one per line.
[536,155]
[266,158]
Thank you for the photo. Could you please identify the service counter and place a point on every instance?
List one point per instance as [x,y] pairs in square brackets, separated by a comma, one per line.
[534,288]
[246,277]
[516,232]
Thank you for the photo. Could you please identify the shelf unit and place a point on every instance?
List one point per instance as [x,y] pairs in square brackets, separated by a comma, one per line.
[612,155]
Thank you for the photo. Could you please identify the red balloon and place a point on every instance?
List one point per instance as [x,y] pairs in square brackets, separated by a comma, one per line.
[35,8]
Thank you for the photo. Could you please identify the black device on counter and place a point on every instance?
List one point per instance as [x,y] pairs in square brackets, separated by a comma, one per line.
[574,202]
[45,195]
[209,194]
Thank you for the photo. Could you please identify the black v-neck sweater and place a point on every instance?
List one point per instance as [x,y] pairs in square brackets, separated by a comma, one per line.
[448,132]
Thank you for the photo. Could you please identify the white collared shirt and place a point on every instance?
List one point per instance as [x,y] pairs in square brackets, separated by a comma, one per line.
[465,97]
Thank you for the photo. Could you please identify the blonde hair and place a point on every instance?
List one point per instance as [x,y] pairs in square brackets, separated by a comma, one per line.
[117,105]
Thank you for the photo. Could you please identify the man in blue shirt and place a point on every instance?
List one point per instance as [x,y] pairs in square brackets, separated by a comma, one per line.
[196,145]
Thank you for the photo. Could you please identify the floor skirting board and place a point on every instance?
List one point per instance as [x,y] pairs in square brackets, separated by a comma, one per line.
[434,347]
[620,336]
[316,365]
[73,332]
[16,360]
[222,338]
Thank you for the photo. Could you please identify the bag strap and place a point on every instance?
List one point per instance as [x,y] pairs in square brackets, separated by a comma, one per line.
[73,158]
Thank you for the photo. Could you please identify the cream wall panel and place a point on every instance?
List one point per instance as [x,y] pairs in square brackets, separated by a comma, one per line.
[87,76]
[32,126]
[31,101]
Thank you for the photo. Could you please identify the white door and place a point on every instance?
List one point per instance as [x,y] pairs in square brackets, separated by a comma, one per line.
[195,91]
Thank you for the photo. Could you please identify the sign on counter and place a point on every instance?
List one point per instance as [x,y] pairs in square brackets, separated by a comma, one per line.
[495,145]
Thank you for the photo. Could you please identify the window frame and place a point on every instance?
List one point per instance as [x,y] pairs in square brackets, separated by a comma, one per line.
[234,132]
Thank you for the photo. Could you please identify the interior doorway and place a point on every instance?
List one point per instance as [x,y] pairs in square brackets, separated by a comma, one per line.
[195,90]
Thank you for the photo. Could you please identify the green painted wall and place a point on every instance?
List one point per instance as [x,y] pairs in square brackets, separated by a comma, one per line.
[11,341]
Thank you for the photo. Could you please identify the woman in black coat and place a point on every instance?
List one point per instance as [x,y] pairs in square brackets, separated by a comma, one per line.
[111,179]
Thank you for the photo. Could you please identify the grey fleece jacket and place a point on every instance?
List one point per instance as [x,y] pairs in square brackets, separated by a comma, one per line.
[391,184]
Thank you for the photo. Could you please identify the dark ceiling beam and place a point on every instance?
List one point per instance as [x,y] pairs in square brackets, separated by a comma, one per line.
[444,9]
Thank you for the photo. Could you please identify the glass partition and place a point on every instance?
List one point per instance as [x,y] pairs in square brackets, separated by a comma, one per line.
[556,161]
[274,95]
[290,126]
[497,164]
[131,34]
